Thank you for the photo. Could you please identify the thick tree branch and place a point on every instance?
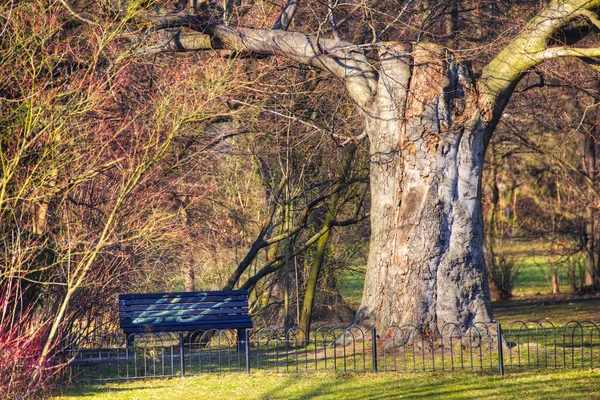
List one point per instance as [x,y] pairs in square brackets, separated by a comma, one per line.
[346,61]
[564,51]
[179,41]
[177,21]
[343,60]
[591,16]
[501,75]
[286,16]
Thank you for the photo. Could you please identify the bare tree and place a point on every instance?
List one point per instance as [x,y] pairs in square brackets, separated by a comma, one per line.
[428,116]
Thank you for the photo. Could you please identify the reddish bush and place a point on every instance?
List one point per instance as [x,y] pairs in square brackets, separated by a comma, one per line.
[23,333]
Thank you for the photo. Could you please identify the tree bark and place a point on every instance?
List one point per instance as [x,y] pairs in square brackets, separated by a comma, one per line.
[592,278]
[189,278]
[426,263]
[313,278]
[554,281]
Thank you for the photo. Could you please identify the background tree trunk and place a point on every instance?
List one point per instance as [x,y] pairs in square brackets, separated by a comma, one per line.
[189,278]
[426,263]
[590,168]
[319,258]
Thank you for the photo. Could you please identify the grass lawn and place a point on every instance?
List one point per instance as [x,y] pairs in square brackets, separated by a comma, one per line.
[351,287]
[547,385]
[531,302]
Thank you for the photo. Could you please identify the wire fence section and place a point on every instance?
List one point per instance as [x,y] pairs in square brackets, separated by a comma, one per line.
[406,348]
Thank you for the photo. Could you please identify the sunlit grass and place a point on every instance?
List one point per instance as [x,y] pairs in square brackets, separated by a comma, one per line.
[351,286]
[574,384]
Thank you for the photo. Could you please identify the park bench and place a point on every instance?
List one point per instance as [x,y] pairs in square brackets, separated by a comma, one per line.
[185,312]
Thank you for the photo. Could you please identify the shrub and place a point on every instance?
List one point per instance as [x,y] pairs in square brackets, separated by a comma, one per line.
[24,374]
[502,275]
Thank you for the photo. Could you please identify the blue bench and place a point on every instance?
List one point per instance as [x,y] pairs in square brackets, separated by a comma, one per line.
[185,312]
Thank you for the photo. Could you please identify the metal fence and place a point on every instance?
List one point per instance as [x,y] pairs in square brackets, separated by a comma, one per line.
[406,348]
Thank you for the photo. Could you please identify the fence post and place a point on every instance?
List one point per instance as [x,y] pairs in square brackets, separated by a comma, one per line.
[247,349]
[374,348]
[182,355]
[500,356]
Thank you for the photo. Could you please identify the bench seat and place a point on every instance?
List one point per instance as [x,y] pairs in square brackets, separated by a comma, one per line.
[184,311]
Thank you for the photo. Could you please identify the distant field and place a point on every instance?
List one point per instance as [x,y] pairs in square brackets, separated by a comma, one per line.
[530,258]
[557,309]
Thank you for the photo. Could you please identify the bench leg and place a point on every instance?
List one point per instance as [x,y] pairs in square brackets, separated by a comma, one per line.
[243,345]
[129,340]
[181,355]
[241,340]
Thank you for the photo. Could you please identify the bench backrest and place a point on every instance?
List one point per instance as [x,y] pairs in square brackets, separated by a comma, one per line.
[184,311]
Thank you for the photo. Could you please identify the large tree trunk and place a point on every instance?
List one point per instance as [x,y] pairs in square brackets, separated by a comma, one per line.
[426,263]
[428,121]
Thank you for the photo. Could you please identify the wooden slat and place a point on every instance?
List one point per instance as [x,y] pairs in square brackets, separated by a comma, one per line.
[181,319]
[182,294]
[188,328]
[157,322]
[158,307]
[168,301]
[160,313]
[187,300]
[214,306]
[179,300]
[141,302]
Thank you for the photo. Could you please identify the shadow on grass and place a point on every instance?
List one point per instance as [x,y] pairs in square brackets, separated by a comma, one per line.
[444,386]
[559,309]
[93,390]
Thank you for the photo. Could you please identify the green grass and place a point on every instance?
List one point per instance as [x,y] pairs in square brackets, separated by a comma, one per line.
[534,275]
[575,384]
[351,287]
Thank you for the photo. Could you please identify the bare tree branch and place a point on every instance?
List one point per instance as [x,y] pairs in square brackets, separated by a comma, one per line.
[342,59]
[287,14]
[564,51]
[501,75]
[179,41]
[591,16]
[76,14]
